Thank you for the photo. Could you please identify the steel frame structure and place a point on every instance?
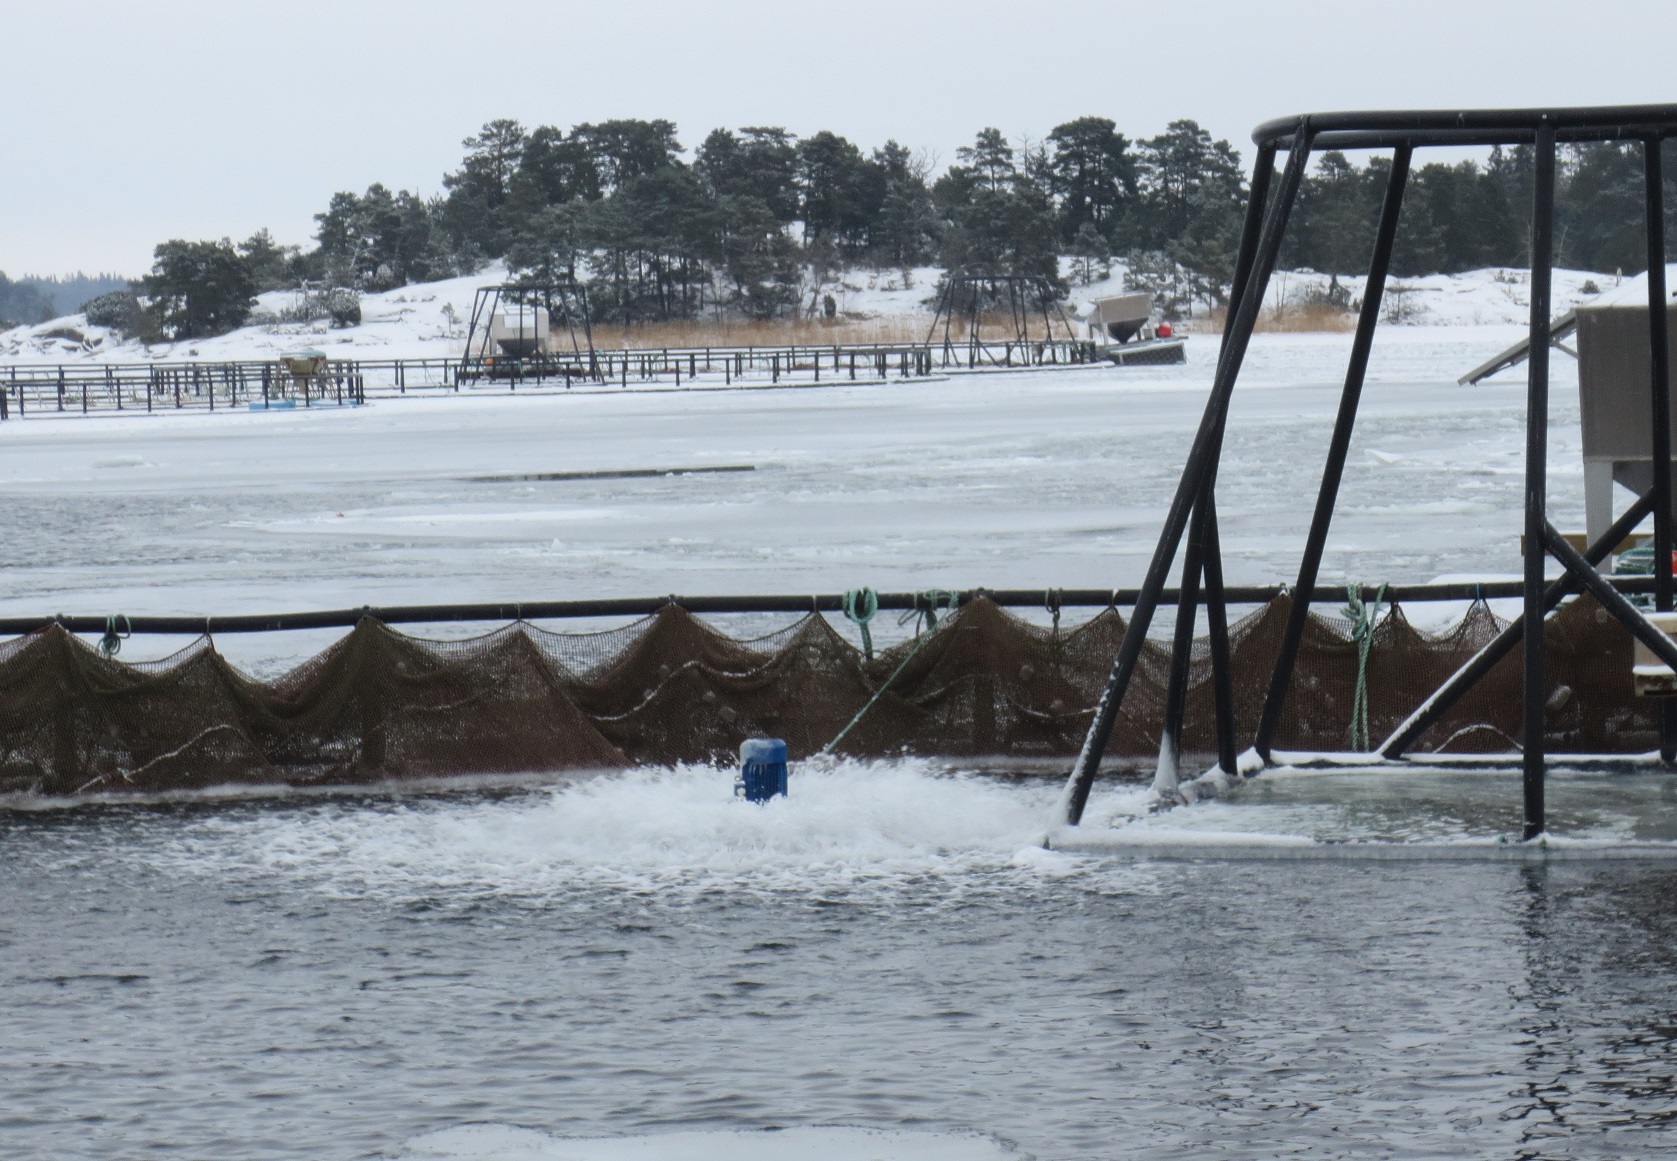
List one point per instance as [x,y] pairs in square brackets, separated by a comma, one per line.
[967,294]
[1192,510]
[565,300]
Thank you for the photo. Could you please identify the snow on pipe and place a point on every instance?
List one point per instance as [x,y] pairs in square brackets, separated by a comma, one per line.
[770,603]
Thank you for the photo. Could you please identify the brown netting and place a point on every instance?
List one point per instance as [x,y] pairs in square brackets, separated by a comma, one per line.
[380,705]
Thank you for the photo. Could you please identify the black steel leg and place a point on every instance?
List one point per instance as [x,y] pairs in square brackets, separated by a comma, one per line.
[1199,465]
[1176,689]
[1338,448]
[1217,627]
[1659,358]
[1250,234]
[1537,478]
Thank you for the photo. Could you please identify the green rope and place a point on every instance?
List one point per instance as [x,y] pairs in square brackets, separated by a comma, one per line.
[859,607]
[925,608]
[1362,633]
[111,643]
[932,598]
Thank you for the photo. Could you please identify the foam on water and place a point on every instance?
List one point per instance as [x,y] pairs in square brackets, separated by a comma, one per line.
[1449,810]
[505,1143]
[853,824]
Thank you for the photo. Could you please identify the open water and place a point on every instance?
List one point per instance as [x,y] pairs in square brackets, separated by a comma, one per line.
[474,974]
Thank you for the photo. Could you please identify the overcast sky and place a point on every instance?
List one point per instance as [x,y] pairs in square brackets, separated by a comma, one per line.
[125,123]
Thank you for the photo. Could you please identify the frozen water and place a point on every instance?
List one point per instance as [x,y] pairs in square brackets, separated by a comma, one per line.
[1025,480]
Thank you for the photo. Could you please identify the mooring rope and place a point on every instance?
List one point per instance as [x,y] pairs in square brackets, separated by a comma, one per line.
[932,598]
[111,643]
[925,608]
[859,607]
[1362,633]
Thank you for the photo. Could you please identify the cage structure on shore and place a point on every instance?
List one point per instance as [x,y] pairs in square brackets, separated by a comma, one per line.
[977,683]
[1010,306]
[1192,512]
[513,333]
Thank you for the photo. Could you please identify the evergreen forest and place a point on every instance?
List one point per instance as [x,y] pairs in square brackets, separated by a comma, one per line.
[749,220]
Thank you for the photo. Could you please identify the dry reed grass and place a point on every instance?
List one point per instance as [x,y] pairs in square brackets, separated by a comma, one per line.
[902,328]
[1291,318]
[772,333]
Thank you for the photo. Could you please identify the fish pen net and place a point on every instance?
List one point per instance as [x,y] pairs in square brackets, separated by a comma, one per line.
[380,705]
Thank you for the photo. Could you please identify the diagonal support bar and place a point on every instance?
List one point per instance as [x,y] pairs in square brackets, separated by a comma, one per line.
[1611,598]
[1338,448]
[1429,712]
[1201,459]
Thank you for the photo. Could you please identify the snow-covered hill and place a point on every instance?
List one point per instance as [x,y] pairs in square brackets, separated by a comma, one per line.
[429,320]
[1498,296]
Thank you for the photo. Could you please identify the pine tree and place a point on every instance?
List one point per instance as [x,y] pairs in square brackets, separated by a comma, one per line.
[1093,253]
[760,162]
[1093,175]
[199,289]
[478,193]
[841,189]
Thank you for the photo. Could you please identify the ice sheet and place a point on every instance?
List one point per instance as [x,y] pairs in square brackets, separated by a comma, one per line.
[1037,480]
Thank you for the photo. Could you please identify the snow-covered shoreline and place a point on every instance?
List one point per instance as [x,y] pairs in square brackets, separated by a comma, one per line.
[429,320]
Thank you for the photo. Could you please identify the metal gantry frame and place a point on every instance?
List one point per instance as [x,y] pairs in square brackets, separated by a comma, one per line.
[1193,508]
[967,294]
[564,300]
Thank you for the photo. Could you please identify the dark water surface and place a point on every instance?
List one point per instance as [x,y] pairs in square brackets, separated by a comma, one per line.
[332,979]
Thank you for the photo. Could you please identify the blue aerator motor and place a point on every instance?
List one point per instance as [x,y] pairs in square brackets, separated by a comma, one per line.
[762,769]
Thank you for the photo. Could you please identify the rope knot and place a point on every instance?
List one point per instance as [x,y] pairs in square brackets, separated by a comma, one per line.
[859,607]
[1364,619]
[111,643]
[1051,601]
[926,606]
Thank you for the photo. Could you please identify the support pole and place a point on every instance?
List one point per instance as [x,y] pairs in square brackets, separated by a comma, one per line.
[1167,773]
[1339,446]
[1429,712]
[1217,628]
[1263,168]
[1659,360]
[1199,465]
[1216,609]
[1537,478]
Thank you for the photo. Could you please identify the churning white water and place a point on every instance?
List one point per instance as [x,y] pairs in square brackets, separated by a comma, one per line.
[848,825]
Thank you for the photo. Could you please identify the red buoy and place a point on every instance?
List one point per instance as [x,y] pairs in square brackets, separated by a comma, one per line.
[1163,330]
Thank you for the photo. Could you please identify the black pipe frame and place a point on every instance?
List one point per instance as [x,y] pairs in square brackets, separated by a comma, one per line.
[1339,447]
[1403,131]
[504,611]
[1203,560]
[1536,691]
[1188,489]
[1660,405]
[1216,608]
